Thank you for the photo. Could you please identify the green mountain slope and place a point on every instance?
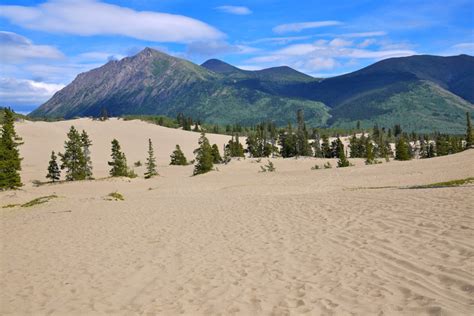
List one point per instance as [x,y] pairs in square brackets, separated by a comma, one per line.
[420,106]
[423,93]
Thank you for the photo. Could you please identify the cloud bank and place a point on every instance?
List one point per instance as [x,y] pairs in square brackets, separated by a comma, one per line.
[91,17]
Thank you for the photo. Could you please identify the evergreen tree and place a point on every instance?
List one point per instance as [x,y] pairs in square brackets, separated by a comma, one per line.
[369,152]
[342,162]
[402,150]
[204,158]
[86,143]
[216,156]
[119,161]
[73,159]
[178,158]
[302,146]
[325,148]
[10,161]
[469,132]
[288,143]
[317,146]
[150,162]
[54,173]
[235,148]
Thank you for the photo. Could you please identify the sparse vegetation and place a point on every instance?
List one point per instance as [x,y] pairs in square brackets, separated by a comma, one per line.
[115,196]
[327,165]
[268,167]
[40,200]
[446,184]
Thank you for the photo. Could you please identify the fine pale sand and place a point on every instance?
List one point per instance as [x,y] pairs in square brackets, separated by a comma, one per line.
[235,241]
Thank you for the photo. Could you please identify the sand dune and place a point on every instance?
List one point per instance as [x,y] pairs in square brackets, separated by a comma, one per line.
[235,241]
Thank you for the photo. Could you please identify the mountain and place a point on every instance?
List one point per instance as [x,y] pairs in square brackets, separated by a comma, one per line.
[152,82]
[423,93]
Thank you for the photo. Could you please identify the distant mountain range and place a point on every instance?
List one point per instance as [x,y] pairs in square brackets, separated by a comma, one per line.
[422,93]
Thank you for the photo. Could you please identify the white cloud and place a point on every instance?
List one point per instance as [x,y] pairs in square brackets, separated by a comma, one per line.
[338,42]
[92,17]
[214,48]
[279,40]
[232,9]
[365,34]
[26,92]
[324,55]
[298,27]
[16,48]
[367,42]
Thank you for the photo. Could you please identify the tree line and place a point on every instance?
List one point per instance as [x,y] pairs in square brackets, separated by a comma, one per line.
[263,140]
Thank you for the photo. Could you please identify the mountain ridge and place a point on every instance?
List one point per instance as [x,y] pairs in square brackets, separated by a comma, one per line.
[153,82]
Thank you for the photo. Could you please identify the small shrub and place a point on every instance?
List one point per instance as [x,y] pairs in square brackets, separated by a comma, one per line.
[10,205]
[327,165]
[315,167]
[138,163]
[268,167]
[115,196]
[40,200]
[131,174]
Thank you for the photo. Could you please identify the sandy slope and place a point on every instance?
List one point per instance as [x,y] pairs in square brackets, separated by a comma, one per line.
[236,241]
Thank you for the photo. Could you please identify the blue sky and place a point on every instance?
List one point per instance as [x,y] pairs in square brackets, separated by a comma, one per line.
[45,44]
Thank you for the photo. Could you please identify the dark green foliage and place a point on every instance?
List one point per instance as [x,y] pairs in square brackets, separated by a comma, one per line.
[10,161]
[288,142]
[358,146]
[216,155]
[204,158]
[119,161]
[342,162]
[234,148]
[150,163]
[402,149]
[270,167]
[261,142]
[73,159]
[469,132]
[302,146]
[86,143]
[369,152]
[54,174]
[178,158]
[325,148]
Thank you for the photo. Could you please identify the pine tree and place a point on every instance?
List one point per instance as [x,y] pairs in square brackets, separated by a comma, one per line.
[302,146]
[325,148]
[178,158]
[150,162]
[317,146]
[342,162]
[216,154]
[73,159]
[204,156]
[402,150]
[86,143]
[369,152]
[119,161]
[10,161]
[469,132]
[54,173]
